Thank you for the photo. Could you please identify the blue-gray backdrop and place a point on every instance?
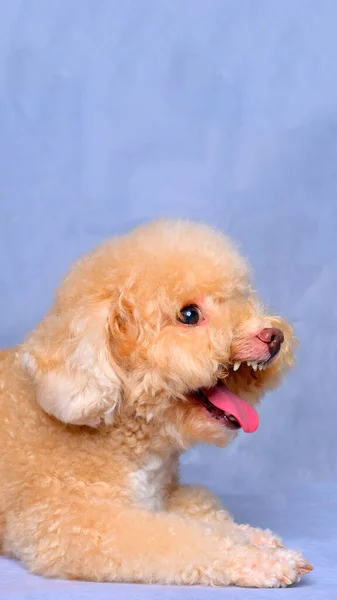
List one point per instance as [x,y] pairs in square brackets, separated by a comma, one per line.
[114,112]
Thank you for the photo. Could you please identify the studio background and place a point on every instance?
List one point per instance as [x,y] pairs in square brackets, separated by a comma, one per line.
[115,112]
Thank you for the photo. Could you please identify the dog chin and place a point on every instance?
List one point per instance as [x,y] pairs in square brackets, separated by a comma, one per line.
[205,430]
[216,433]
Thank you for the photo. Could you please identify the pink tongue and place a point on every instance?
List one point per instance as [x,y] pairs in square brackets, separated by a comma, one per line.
[245,414]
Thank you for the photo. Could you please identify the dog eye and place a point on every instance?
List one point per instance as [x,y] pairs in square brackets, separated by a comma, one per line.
[189,315]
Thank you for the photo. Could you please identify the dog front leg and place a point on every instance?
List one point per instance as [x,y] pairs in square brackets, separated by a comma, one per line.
[62,533]
[199,503]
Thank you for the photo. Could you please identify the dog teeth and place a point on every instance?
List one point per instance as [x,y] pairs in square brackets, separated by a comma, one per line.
[250,363]
[230,417]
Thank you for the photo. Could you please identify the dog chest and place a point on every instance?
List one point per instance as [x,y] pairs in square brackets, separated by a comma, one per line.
[150,481]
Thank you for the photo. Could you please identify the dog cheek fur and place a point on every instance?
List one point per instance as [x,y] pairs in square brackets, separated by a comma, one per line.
[184,360]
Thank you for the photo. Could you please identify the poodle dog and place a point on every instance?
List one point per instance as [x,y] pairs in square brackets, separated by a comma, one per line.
[155,341]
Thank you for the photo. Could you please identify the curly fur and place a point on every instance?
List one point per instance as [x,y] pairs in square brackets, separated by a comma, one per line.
[96,407]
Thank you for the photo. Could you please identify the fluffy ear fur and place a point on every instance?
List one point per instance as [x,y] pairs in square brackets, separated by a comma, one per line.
[70,362]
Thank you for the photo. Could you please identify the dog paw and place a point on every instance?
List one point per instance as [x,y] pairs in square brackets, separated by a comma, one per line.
[268,567]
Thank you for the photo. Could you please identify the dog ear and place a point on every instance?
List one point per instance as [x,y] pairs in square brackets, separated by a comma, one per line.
[69,359]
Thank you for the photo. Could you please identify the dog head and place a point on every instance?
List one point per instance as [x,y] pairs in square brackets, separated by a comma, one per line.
[160,326]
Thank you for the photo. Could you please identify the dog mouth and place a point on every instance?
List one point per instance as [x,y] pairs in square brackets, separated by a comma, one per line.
[223,417]
[228,409]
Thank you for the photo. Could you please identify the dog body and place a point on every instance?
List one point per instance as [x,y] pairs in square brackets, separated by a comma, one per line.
[156,341]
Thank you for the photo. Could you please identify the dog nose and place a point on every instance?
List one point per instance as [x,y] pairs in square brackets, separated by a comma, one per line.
[273,337]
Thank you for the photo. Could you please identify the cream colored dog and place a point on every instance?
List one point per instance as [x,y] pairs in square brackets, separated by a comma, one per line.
[156,341]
